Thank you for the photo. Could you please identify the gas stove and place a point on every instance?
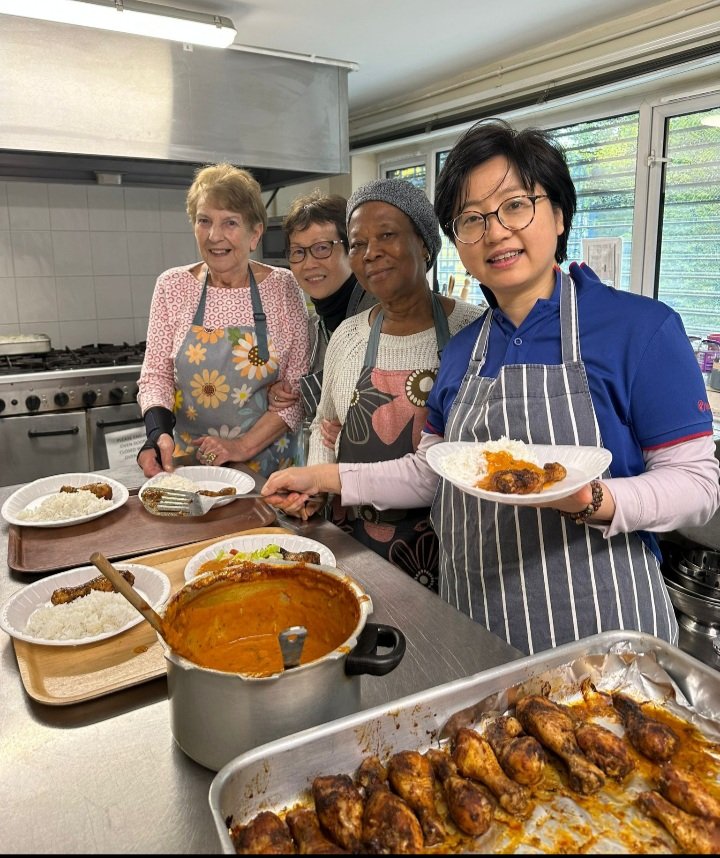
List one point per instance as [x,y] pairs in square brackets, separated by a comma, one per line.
[69,379]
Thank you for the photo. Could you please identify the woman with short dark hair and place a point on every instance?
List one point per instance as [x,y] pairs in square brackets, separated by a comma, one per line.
[557,359]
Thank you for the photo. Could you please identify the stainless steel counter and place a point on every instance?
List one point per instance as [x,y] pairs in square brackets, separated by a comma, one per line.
[105,776]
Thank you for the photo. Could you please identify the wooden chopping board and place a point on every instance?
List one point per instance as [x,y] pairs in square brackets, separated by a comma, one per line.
[124,532]
[60,675]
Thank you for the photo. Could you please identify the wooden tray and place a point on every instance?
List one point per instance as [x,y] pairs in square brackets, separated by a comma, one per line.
[125,532]
[59,675]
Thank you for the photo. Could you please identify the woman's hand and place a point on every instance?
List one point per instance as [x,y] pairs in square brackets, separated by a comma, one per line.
[330,429]
[280,396]
[147,460]
[581,499]
[313,480]
[215,451]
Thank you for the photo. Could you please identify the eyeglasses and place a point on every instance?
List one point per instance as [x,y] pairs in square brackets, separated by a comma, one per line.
[515,214]
[319,250]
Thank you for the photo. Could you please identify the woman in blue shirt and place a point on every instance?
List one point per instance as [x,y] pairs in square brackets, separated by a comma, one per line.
[556,359]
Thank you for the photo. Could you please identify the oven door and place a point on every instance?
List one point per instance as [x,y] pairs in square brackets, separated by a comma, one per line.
[42,445]
[105,420]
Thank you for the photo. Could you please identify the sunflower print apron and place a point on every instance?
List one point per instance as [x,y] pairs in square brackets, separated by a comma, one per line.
[222,378]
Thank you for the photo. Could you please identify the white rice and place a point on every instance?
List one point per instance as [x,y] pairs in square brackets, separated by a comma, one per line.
[470,465]
[175,481]
[85,617]
[64,505]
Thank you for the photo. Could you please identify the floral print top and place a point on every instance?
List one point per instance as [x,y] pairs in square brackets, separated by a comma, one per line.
[173,306]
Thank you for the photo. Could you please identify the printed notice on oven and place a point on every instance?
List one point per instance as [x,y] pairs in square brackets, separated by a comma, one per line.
[123,446]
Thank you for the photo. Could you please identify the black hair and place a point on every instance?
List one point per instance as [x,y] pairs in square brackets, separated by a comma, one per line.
[537,157]
[317,207]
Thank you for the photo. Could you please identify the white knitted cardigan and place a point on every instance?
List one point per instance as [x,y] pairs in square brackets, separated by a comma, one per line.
[344,361]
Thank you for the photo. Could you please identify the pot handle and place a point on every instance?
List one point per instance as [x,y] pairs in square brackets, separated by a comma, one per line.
[365,658]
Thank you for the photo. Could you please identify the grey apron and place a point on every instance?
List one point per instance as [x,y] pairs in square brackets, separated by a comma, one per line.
[402,536]
[531,576]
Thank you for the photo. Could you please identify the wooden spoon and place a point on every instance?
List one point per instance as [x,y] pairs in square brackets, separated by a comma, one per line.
[136,600]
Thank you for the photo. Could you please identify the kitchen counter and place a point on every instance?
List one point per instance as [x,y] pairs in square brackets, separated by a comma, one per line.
[105,776]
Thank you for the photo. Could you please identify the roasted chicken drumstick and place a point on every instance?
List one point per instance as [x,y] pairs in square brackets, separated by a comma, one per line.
[608,751]
[389,825]
[266,834]
[551,725]
[469,803]
[339,807]
[476,759]
[413,779]
[647,735]
[687,792]
[695,834]
[305,828]
[521,756]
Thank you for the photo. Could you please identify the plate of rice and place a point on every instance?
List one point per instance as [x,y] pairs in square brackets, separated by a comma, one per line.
[193,478]
[43,504]
[29,614]
[465,464]
[254,547]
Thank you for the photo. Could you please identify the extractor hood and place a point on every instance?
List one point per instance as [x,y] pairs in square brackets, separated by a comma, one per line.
[78,103]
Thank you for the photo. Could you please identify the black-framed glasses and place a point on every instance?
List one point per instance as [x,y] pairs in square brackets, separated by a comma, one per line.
[319,250]
[514,213]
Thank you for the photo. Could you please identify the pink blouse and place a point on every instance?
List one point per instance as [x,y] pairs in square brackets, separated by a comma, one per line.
[175,299]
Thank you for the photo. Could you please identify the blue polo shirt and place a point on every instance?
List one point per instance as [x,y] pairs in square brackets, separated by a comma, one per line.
[645,383]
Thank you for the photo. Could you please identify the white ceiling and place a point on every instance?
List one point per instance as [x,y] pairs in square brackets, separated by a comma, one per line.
[399,46]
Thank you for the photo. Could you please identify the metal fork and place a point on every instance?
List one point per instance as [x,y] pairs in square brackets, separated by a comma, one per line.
[161,501]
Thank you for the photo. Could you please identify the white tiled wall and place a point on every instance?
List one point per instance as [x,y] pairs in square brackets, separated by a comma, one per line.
[79,262]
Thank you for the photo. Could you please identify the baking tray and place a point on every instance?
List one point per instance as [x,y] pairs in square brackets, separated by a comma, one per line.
[279,773]
[126,531]
[60,675]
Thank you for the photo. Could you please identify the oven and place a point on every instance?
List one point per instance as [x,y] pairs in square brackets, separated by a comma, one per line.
[57,409]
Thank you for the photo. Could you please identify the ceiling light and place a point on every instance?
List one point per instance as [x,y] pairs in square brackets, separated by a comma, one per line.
[712,120]
[130,16]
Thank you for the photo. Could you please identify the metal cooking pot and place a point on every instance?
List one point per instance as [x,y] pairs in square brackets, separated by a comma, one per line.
[216,715]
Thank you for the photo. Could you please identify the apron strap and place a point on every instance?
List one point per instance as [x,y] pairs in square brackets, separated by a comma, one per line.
[200,309]
[356,297]
[260,319]
[569,328]
[442,331]
[258,314]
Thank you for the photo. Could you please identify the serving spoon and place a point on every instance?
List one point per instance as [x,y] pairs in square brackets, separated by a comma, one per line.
[131,594]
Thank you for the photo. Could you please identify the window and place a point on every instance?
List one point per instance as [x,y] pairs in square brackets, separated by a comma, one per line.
[416,175]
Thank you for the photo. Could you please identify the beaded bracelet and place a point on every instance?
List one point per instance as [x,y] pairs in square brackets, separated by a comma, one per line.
[594,505]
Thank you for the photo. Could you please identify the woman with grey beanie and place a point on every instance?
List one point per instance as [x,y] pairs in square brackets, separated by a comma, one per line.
[381,364]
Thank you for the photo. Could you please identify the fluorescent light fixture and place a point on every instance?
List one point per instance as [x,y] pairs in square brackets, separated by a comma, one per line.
[130,16]
[712,120]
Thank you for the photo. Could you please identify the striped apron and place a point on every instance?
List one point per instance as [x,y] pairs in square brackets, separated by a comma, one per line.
[222,376]
[531,576]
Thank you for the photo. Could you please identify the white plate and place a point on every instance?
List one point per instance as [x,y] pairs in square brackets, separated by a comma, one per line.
[32,494]
[153,586]
[582,463]
[210,479]
[288,541]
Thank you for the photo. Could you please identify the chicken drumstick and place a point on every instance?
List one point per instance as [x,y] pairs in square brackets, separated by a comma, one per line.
[521,756]
[469,803]
[413,779]
[389,825]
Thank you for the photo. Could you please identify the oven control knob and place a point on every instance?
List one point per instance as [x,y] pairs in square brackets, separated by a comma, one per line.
[89,398]
[116,394]
[32,403]
[61,399]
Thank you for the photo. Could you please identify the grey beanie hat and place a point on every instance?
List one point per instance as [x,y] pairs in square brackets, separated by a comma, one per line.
[410,200]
